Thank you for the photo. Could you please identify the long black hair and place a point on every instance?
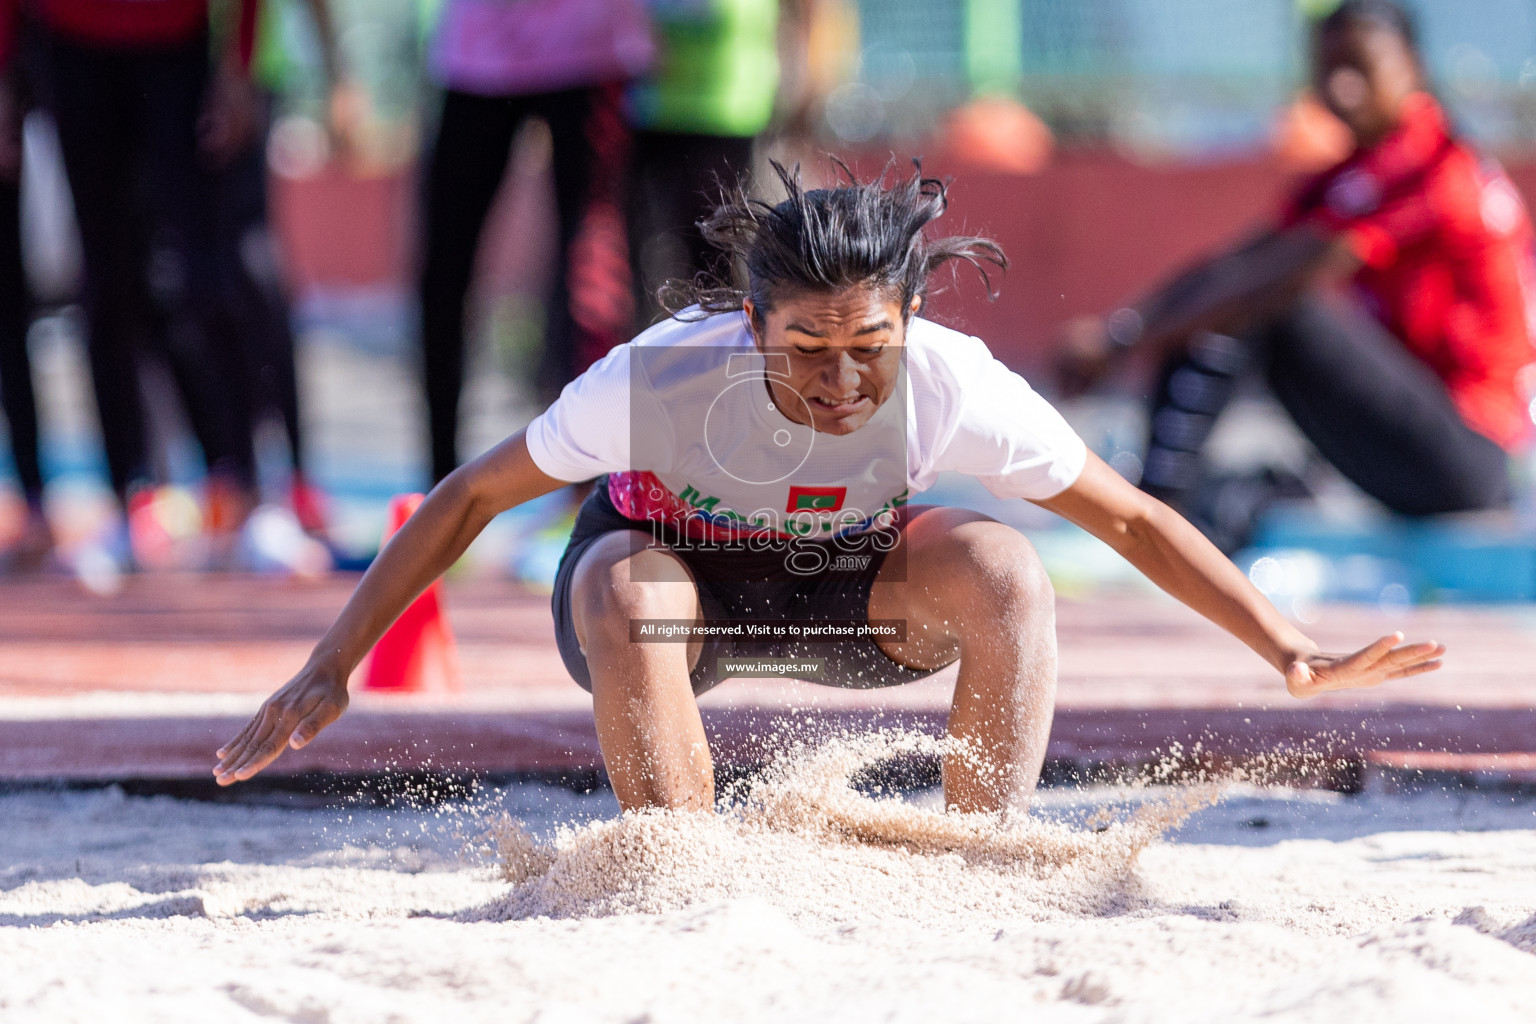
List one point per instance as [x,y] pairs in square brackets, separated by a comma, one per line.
[1387,14]
[854,234]
[1390,16]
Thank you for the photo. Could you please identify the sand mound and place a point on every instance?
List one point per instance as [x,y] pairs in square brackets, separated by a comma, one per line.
[804,839]
[1522,935]
[806,900]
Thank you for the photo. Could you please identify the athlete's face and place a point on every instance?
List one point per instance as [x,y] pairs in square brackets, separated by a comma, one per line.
[1363,73]
[844,354]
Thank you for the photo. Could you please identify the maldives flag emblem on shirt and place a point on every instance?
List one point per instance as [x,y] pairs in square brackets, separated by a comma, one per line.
[816,499]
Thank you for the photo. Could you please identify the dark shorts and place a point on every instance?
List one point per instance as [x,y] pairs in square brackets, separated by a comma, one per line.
[747,586]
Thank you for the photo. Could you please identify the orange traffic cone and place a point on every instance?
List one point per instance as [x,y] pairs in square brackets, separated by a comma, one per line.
[417,653]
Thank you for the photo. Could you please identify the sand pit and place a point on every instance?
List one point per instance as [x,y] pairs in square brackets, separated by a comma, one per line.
[808,901]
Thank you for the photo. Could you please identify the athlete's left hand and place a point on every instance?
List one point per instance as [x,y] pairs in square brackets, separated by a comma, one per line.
[1387,658]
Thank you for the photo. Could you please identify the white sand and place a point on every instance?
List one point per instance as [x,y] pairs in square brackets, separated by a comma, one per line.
[811,903]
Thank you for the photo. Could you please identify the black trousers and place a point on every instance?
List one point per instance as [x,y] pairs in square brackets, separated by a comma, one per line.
[1373,410]
[127,122]
[17,399]
[675,181]
[252,298]
[467,164]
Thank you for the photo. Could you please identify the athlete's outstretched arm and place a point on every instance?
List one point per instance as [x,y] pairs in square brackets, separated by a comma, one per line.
[430,541]
[1175,556]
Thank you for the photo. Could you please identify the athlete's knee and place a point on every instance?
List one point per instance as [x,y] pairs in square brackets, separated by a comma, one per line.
[1477,483]
[1019,574]
[1303,338]
[1302,313]
[620,580]
[999,569]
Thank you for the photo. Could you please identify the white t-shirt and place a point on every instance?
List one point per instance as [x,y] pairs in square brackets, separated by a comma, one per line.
[682,421]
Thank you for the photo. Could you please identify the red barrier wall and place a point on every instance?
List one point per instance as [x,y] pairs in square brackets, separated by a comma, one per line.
[343,231]
[1087,234]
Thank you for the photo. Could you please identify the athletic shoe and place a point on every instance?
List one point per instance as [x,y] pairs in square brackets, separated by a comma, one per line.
[101,562]
[311,506]
[273,541]
[228,505]
[33,547]
[165,529]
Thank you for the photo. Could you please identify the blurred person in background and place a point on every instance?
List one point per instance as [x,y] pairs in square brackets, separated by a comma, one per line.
[142,112]
[1388,309]
[563,62]
[17,400]
[696,117]
[253,303]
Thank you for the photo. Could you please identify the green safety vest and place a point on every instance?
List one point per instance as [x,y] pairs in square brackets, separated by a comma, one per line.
[717,69]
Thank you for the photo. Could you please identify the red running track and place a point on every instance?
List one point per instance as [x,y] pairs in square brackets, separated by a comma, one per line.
[146,684]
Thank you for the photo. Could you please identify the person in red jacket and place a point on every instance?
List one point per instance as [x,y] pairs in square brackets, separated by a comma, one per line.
[1409,379]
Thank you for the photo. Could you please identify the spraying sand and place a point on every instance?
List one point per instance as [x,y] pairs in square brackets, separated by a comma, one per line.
[804,901]
[805,840]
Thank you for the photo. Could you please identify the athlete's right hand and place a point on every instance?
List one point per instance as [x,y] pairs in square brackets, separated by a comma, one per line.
[291,717]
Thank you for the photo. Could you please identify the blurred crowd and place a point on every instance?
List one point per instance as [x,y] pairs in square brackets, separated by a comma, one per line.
[162,110]
[1385,309]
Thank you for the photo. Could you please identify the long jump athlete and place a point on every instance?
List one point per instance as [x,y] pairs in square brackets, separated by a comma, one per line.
[754,456]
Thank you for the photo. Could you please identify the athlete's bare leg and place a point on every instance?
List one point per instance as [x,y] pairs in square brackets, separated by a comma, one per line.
[971,585]
[648,722]
[975,586]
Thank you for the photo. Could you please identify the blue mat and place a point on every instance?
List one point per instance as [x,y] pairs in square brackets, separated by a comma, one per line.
[1445,560]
